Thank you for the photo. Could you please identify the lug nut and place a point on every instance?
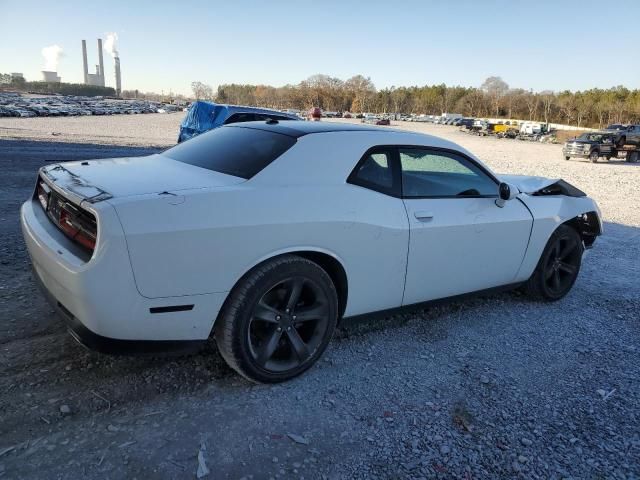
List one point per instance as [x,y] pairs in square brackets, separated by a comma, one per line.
[279,329]
[294,317]
[288,328]
[277,317]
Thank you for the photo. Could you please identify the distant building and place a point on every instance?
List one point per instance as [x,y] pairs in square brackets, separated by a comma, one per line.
[15,76]
[93,78]
[51,77]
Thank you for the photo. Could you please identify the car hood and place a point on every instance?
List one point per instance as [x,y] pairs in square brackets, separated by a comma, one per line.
[528,184]
[97,180]
[541,186]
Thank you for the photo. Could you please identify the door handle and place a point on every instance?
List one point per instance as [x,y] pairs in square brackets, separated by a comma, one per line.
[423,216]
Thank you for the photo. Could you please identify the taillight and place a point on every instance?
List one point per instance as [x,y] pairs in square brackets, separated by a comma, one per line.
[80,231]
[75,222]
[43,195]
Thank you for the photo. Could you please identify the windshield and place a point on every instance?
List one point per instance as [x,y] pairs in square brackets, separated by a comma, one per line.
[237,151]
[591,137]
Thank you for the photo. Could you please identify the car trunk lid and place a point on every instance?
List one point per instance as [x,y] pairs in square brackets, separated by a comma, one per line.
[97,180]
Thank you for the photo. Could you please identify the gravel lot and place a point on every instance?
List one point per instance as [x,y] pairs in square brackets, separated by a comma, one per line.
[493,387]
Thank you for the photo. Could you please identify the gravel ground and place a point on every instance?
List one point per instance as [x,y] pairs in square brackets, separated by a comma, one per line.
[492,387]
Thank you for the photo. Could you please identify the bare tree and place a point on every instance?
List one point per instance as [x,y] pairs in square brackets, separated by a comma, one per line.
[532,100]
[362,89]
[202,91]
[548,98]
[496,88]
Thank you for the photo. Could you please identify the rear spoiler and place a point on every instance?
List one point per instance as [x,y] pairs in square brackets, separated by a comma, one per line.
[72,186]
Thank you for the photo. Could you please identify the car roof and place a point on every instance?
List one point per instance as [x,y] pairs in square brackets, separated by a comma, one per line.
[299,129]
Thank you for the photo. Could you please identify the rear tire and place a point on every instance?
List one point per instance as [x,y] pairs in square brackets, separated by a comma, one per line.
[567,158]
[633,157]
[558,267]
[278,319]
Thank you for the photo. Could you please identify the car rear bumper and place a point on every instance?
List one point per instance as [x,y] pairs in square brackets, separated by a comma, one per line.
[99,299]
[92,341]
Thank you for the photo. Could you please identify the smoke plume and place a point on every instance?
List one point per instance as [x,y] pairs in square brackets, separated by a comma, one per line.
[110,44]
[52,55]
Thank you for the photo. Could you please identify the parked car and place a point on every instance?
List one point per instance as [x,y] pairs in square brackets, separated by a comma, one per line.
[625,134]
[591,145]
[467,123]
[205,116]
[315,114]
[531,128]
[383,121]
[157,253]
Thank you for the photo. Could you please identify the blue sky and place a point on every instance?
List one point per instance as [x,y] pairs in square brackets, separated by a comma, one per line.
[165,45]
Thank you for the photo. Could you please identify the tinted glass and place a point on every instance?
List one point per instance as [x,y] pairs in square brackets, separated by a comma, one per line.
[427,173]
[241,117]
[237,151]
[375,172]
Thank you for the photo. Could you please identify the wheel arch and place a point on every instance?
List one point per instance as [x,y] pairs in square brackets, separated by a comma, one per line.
[587,225]
[331,263]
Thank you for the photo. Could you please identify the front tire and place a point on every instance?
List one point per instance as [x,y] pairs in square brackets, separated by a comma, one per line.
[278,320]
[593,156]
[558,267]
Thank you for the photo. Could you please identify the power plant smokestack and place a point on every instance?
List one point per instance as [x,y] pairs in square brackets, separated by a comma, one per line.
[84,62]
[101,61]
[116,62]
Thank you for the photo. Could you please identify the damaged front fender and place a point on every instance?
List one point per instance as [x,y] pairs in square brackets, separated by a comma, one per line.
[540,186]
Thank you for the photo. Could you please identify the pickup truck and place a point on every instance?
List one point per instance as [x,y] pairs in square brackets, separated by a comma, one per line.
[625,134]
[591,145]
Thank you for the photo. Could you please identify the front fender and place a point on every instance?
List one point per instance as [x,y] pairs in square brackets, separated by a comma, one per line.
[549,212]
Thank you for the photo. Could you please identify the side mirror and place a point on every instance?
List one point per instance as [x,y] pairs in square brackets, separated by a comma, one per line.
[506,192]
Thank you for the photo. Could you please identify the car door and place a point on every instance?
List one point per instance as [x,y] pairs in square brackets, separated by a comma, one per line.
[460,239]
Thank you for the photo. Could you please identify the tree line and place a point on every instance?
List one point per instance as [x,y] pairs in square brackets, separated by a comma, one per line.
[493,99]
[47,88]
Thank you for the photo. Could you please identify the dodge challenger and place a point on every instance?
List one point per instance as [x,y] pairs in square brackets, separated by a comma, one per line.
[264,235]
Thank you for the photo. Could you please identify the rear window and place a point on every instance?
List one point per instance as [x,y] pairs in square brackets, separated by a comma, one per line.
[237,151]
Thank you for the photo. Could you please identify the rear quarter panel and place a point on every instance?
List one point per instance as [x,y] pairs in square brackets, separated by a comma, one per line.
[203,241]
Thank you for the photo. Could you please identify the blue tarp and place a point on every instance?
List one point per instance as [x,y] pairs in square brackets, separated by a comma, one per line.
[201,117]
[204,116]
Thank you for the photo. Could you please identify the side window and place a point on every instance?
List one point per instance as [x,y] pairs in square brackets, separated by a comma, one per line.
[240,117]
[431,173]
[375,172]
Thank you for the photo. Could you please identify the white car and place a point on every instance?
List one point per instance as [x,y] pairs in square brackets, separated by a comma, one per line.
[264,235]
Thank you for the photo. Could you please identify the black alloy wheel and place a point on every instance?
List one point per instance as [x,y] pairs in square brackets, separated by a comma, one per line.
[593,156]
[278,319]
[563,261]
[558,266]
[288,324]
